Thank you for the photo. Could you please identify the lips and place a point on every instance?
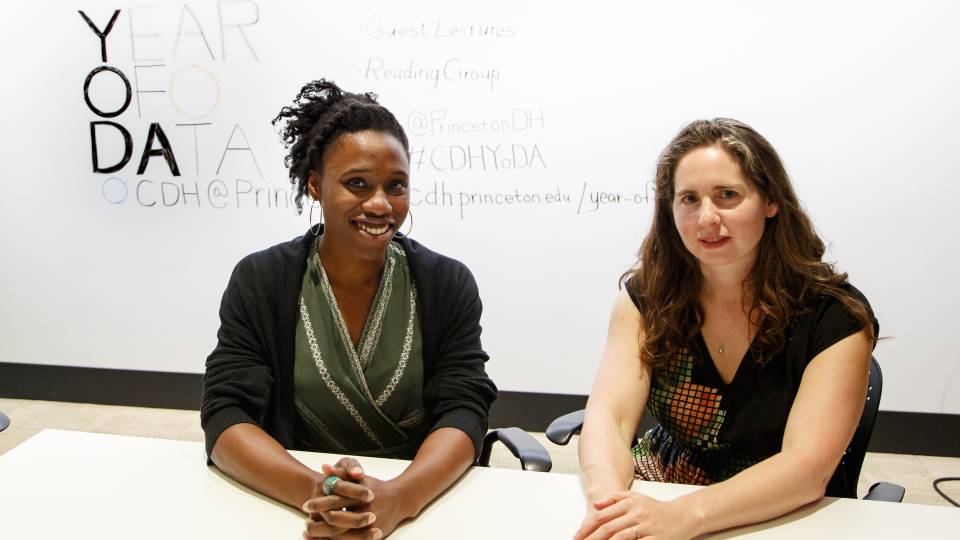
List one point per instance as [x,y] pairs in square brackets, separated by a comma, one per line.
[714,243]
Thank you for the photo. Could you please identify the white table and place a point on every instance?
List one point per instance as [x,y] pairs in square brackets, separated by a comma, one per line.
[94,486]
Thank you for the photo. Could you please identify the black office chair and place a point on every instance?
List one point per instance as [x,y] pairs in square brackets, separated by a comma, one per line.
[4,421]
[532,455]
[844,480]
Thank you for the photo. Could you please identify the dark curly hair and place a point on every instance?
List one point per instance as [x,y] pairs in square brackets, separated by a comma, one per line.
[322,112]
[788,272]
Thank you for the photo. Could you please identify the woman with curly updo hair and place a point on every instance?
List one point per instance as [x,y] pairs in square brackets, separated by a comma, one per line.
[749,350]
[352,339]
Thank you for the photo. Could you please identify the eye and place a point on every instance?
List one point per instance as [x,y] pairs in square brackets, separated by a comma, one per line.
[397,187]
[728,194]
[687,198]
[355,182]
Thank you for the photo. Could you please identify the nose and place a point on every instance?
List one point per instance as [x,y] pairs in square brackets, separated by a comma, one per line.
[709,215]
[378,204]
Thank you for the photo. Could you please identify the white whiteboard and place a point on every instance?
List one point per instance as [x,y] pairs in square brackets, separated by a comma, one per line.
[551,103]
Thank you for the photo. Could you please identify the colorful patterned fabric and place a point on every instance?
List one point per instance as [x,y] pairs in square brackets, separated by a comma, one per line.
[684,448]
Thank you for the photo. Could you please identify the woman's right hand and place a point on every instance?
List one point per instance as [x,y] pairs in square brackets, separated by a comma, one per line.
[329,515]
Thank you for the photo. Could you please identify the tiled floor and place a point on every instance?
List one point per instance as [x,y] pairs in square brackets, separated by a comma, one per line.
[915,473]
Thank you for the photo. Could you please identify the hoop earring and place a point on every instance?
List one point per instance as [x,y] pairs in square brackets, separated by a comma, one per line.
[410,219]
[315,227]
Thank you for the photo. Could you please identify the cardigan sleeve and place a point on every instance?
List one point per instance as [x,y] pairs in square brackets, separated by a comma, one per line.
[458,392]
[238,382]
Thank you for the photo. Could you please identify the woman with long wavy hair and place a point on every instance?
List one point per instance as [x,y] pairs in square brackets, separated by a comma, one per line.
[750,351]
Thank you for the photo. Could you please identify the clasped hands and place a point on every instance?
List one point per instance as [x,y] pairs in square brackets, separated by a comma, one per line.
[360,508]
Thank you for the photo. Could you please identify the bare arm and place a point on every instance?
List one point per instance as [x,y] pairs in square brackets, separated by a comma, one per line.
[616,402]
[821,423]
[246,453]
[442,458]
[255,459]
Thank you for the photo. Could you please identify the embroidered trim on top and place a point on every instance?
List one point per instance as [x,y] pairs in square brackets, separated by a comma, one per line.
[371,335]
[369,342]
[405,353]
[327,379]
[316,423]
[381,299]
[412,419]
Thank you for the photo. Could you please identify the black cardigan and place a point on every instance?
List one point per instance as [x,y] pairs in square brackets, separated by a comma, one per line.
[249,374]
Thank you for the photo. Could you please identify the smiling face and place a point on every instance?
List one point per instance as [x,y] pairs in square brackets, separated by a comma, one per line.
[363,190]
[718,212]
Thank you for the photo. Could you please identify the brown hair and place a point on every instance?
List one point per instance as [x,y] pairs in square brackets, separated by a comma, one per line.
[788,272]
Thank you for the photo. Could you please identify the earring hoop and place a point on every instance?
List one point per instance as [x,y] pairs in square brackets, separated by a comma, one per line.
[315,227]
[410,219]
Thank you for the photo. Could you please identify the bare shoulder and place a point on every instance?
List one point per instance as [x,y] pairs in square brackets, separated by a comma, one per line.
[621,355]
[624,309]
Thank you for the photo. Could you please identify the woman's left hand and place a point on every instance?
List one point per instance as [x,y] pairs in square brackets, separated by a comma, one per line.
[387,504]
[627,515]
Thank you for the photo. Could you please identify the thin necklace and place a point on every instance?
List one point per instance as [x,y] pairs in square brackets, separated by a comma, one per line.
[717,335]
[720,348]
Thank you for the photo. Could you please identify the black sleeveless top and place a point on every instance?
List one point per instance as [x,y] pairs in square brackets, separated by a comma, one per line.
[710,430]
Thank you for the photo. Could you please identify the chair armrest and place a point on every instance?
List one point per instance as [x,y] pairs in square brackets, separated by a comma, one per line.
[562,429]
[885,491]
[533,456]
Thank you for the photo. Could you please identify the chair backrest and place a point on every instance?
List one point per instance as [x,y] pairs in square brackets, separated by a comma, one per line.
[844,480]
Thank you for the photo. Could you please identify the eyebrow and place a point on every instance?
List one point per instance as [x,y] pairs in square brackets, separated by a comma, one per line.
[736,185]
[355,170]
[364,170]
[717,187]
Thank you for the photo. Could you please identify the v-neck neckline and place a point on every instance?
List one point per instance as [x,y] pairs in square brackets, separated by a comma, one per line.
[737,375]
[370,332]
